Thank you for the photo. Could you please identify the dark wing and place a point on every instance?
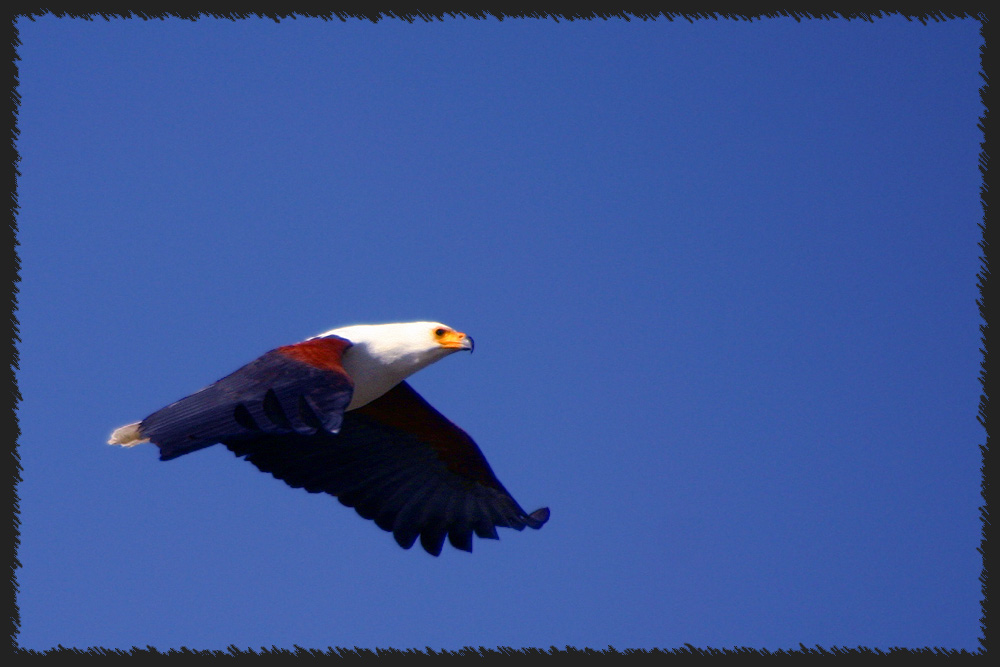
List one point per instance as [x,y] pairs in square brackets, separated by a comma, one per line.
[402,464]
[296,389]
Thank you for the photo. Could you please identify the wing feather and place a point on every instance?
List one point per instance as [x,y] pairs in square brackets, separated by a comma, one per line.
[264,397]
[398,462]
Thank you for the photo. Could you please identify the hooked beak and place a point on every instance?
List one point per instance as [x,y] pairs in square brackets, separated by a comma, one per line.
[456,340]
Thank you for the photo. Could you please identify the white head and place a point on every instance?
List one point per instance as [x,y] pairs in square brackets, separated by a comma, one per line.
[416,343]
[383,355]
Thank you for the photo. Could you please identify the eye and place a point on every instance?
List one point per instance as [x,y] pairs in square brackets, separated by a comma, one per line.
[439,332]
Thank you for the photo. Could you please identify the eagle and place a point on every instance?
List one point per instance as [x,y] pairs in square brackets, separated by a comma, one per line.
[334,414]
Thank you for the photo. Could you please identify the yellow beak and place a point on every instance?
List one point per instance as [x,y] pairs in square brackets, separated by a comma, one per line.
[456,340]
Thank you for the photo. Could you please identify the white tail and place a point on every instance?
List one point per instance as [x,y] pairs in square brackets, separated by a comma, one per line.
[127,436]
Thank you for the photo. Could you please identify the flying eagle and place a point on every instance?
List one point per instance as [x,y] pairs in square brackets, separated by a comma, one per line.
[334,414]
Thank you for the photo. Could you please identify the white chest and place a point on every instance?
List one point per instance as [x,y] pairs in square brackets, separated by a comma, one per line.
[373,375]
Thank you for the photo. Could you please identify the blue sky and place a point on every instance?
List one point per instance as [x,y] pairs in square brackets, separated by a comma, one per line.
[722,281]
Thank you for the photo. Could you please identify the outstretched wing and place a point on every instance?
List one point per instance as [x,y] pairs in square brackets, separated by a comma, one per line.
[297,389]
[402,464]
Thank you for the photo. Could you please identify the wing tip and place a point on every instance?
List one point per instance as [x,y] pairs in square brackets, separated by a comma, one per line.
[538,518]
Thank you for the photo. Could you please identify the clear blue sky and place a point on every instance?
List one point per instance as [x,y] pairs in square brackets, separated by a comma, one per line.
[722,281]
